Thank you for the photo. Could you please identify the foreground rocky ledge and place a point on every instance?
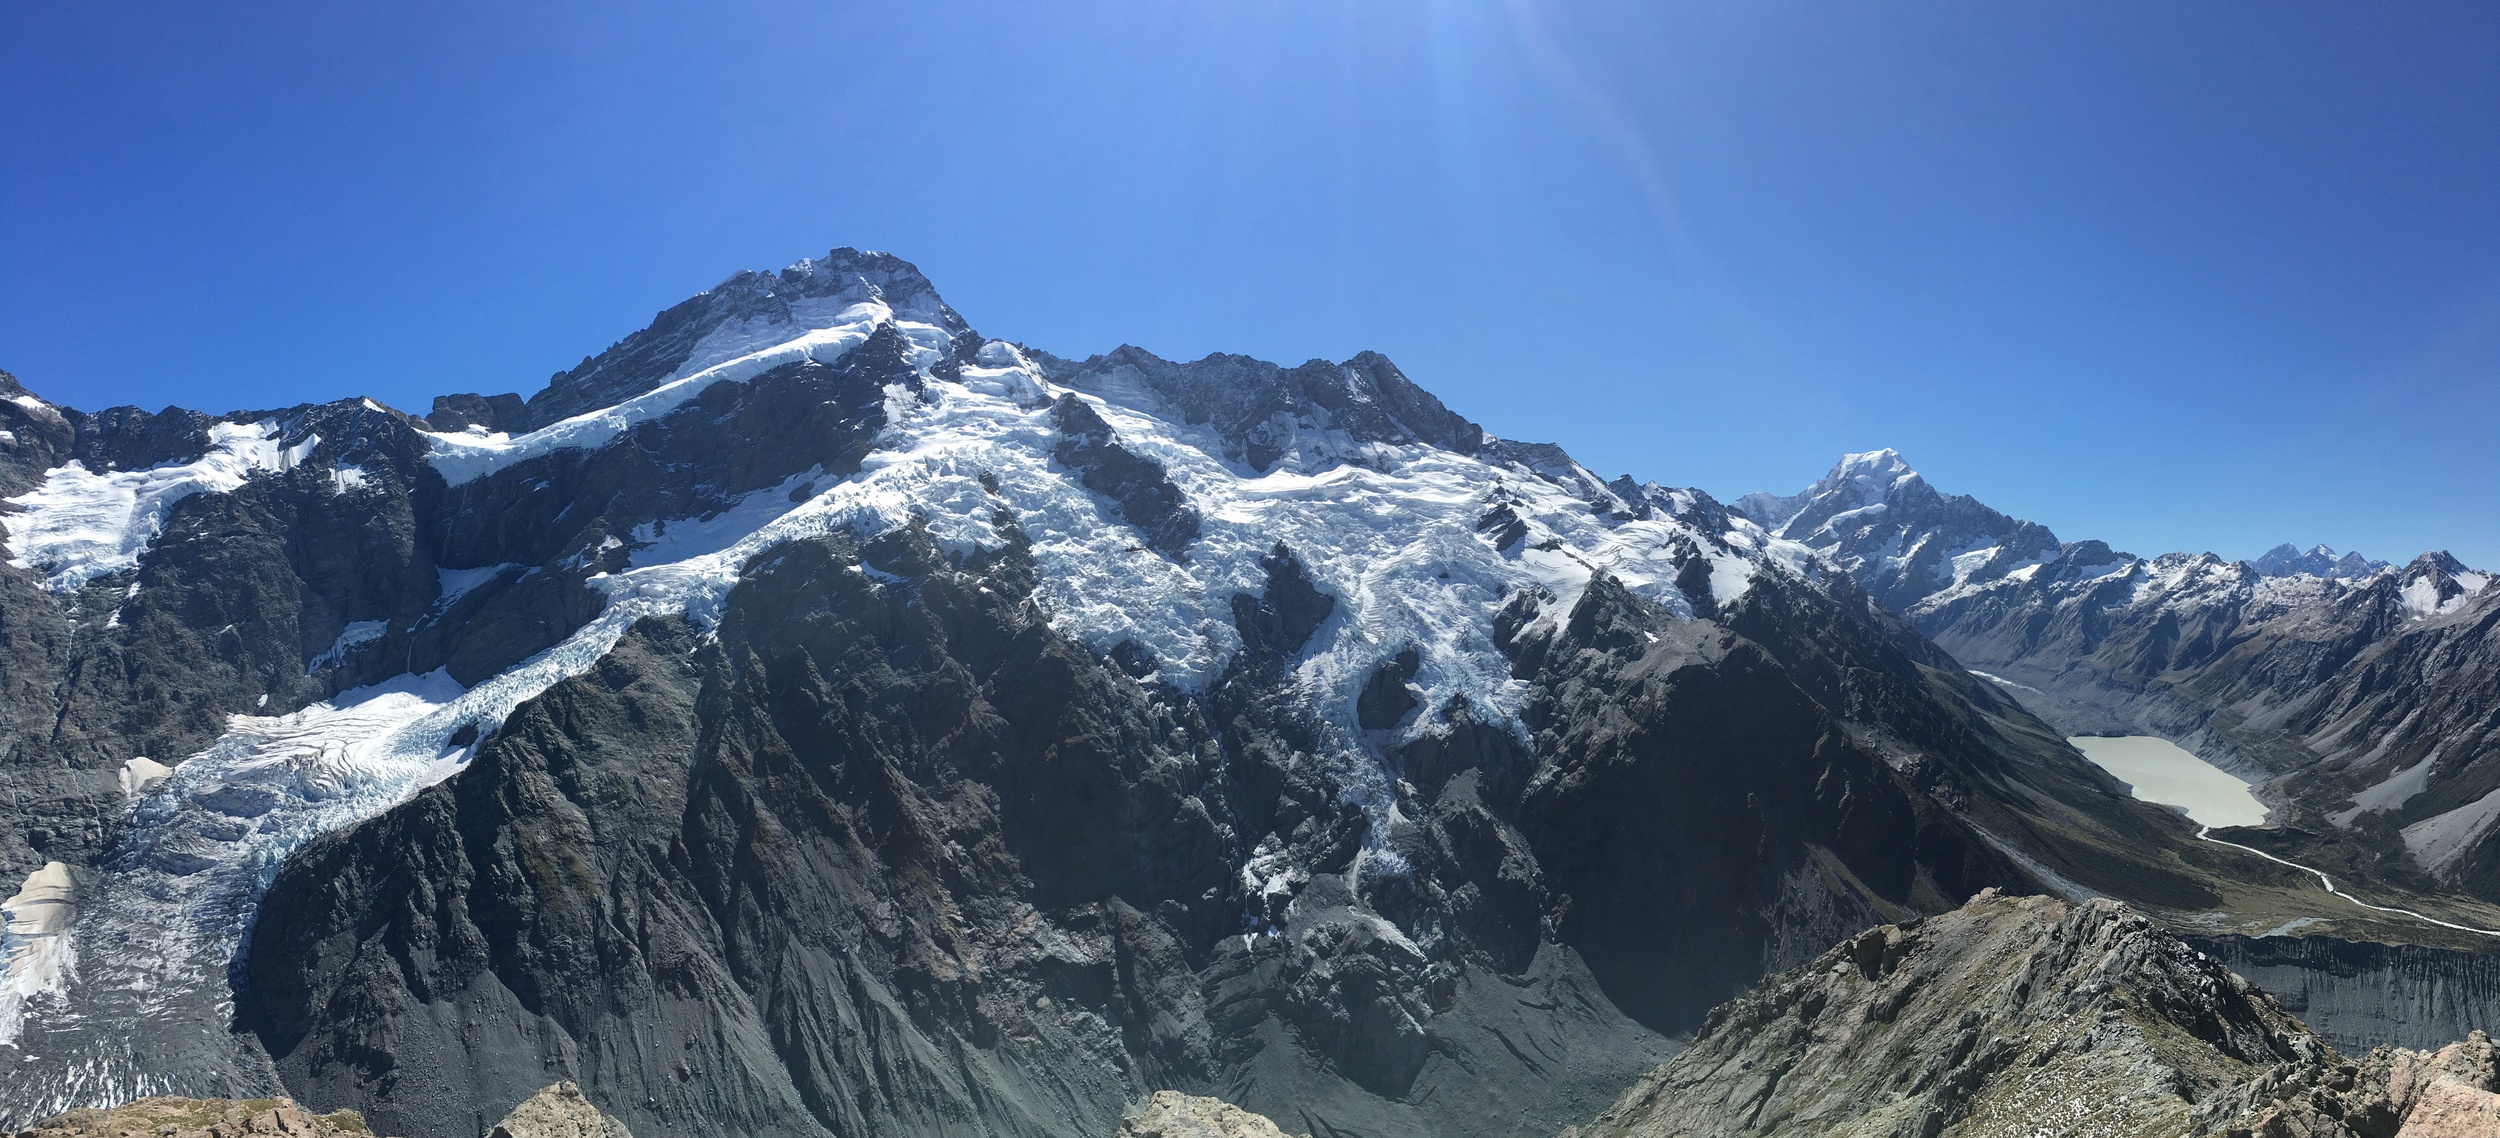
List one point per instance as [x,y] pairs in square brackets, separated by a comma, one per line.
[2024,1016]
[1171,1114]
[559,1111]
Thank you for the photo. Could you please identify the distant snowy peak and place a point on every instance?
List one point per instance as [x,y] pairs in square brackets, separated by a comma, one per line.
[2436,584]
[1857,482]
[2286,560]
[1865,478]
[1877,520]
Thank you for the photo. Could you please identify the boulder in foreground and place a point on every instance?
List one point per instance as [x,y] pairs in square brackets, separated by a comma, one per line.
[559,1111]
[1171,1114]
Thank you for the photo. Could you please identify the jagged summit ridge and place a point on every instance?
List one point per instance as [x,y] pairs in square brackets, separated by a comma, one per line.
[2287,560]
[2016,1017]
[748,310]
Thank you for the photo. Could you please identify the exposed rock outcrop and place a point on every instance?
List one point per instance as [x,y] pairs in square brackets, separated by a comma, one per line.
[2359,995]
[559,1111]
[2022,1016]
[175,1117]
[860,726]
[1171,1114]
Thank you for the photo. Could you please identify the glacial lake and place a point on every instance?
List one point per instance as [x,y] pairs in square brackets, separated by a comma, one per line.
[2164,772]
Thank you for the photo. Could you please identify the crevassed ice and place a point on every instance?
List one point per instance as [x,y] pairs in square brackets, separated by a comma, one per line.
[183,882]
[1394,542]
[160,923]
[179,892]
[82,524]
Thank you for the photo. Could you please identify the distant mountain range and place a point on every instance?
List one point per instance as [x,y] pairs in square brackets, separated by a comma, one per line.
[2368,694]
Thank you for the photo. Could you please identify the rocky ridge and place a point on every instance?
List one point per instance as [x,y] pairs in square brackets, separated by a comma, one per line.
[2027,1016]
[1171,1114]
[559,1111]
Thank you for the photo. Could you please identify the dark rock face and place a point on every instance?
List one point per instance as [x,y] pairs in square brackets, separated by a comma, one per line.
[1668,736]
[1137,486]
[1264,412]
[1386,697]
[2359,995]
[239,591]
[492,412]
[879,868]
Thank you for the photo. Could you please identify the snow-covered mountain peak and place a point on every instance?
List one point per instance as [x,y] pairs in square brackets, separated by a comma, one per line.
[738,352]
[2436,583]
[1868,475]
[1856,482]
[749,312]
[849,276]
[2287,560]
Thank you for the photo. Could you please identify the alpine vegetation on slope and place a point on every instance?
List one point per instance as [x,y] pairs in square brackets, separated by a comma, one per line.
[810,716]
[2017,1017]
[2368,691]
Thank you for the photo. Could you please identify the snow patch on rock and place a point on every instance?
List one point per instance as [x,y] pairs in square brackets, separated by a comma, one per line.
[82,524]
[465,455]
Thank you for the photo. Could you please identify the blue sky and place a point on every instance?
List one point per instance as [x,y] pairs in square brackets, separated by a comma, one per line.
[2196,275]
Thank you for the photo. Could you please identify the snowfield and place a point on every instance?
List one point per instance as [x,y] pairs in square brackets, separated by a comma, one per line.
[81,524]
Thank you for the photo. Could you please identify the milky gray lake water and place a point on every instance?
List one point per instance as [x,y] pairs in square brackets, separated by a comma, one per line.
[2164,772]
